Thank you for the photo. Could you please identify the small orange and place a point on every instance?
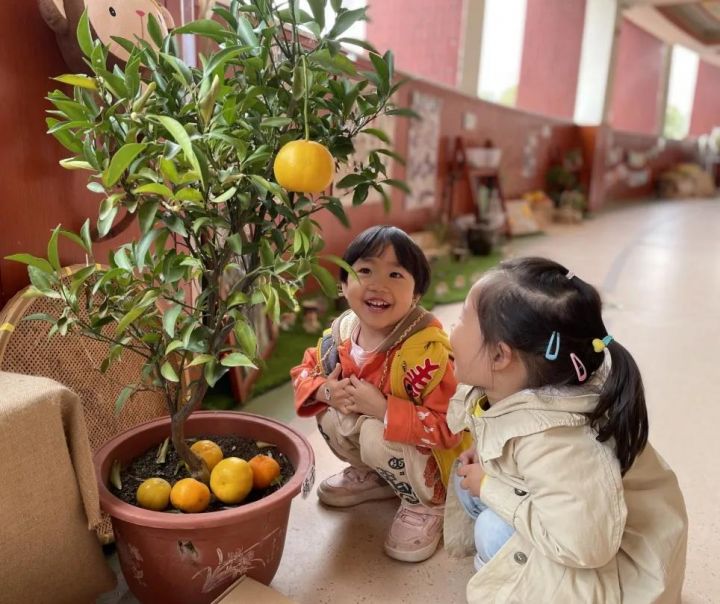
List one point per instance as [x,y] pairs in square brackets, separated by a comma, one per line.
[208,451]
[190,495]
[231,480]
[153,494]
[304,166]
[265,471]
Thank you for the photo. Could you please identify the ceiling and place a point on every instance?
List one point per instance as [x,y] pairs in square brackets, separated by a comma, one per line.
[692,23]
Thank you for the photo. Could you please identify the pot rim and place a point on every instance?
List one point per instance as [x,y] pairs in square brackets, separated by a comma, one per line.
[117,508]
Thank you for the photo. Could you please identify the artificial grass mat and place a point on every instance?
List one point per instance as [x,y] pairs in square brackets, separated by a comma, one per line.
[457,277]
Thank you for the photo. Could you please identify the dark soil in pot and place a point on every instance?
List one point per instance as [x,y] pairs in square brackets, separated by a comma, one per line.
[174,469]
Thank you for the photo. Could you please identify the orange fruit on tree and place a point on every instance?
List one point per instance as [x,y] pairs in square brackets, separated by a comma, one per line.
[190,495]
[208,451]
[265,470]
[153,494]
[231,480]
[304,167]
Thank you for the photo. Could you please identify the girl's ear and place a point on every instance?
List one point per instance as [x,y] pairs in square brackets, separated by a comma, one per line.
[342,289]
[502,357]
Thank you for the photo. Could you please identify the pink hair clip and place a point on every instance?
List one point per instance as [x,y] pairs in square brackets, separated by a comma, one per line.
[579,367]
[569,275]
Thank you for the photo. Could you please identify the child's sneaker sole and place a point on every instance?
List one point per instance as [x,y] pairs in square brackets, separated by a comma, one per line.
[418,555]
[333,498]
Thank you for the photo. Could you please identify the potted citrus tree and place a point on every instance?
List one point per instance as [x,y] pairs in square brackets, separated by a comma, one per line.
[222,163]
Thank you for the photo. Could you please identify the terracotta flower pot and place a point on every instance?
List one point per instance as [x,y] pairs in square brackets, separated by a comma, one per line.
[192,558]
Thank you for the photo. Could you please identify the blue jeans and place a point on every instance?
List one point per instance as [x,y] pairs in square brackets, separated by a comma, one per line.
[491,531]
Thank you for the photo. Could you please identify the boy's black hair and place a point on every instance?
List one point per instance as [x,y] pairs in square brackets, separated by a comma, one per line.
[523,301]
[373,241]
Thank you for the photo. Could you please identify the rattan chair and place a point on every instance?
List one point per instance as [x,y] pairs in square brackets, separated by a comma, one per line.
[74,361]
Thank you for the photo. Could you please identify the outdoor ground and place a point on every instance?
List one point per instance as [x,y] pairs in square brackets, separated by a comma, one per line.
[657,267]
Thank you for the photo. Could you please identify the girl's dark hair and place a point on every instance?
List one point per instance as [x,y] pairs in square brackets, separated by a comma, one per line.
[523,302]
[373,241]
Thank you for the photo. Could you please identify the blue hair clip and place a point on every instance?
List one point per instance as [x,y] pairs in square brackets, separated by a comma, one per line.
[551,356]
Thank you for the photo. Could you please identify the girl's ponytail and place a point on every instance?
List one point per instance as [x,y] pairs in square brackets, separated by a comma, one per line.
[621,413]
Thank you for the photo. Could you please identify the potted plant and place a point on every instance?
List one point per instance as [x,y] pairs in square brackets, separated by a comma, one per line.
[222,165]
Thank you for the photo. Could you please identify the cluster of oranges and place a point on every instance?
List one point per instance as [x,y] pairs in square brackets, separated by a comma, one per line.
[231,479]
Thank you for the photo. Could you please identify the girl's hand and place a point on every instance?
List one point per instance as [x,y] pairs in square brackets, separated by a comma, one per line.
[366,399]
[468,456]
[472,474]
[334,392]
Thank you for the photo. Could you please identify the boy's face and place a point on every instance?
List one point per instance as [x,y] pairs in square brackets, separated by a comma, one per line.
[383,292]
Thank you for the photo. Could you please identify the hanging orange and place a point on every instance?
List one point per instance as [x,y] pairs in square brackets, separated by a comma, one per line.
[304,167]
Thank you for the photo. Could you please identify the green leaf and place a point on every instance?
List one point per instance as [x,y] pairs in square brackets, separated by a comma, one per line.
[85,235]
[120,162]
[74,238]
[403,112]
[275,122]
[122,398]
[267,256]
[235,243]
[346,20]
[174,345]
[169,319]
[376,132]
[143,247]
[168,372]
[204,27]
[121,259]
[181,137]
[84,38]
[105,223]
[382,70]
[77,80]
[146,215]
[71,163]
[201,359]
[317,7]
[246,33]
[361,43]
[224,196]
[334,205]
[352,180]
[398,184]
[339,262]
[129,318]
[236,359]
[154,29]
[155,188]
[39,263]
[325,279]
[245,337]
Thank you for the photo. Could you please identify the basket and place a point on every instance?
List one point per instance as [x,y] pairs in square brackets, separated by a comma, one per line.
[74,361]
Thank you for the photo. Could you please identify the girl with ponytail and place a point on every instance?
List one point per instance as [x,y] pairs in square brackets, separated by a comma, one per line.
[562,498]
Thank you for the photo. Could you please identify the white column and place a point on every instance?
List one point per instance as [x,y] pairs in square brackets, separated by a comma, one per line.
[595,57]
[470,46]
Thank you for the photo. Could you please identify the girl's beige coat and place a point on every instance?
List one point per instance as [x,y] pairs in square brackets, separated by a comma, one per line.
[583,532]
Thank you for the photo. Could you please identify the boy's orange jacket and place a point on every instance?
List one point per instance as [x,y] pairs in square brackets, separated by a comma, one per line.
[424,375]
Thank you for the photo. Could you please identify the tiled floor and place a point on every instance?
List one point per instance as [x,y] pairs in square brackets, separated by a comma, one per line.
[658,267]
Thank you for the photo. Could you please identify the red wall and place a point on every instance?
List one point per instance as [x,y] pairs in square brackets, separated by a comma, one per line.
[551,57]
[638,81]
[423,34]
[36,194]
[706,109]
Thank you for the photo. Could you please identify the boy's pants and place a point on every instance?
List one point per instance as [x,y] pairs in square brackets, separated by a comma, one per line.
[491,531]
[358,439]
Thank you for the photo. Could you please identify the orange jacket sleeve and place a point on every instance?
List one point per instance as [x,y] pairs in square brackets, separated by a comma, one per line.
[424,425]
[305,384]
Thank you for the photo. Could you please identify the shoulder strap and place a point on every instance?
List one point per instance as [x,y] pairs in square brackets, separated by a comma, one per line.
[328,353]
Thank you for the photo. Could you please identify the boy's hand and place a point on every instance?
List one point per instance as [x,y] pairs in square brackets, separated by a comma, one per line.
[366,399]
[334,392]
[472,474]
